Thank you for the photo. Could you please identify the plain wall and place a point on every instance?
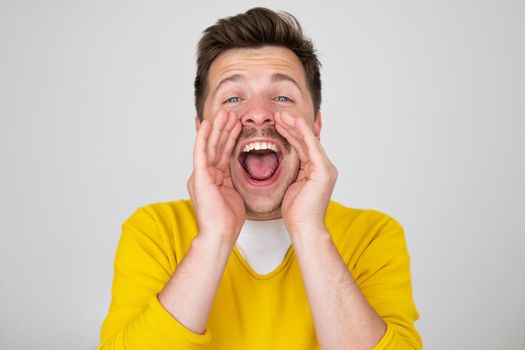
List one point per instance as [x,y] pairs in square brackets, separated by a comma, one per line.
[423,106]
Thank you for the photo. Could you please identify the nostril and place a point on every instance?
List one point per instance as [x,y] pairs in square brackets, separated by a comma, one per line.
[256,119]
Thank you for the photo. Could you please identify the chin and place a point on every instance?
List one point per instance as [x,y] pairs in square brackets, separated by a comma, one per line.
[265,203]
[263,209]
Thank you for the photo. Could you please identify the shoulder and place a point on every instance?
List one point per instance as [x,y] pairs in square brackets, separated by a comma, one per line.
[170,225]
[169,216]
[364,232]
[168,211]
[161,214]
[341,217]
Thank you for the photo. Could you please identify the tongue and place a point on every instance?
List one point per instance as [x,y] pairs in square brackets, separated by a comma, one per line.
[261,166]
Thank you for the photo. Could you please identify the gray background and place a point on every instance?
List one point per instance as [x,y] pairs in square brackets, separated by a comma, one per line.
[423,116]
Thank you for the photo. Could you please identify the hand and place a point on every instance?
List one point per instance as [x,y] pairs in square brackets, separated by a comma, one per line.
[306,200]
[219,208]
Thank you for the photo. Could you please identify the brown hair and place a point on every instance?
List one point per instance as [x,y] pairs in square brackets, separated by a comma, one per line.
[255,28]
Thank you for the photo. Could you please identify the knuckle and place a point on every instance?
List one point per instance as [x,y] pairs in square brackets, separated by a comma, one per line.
[189,185]
[332,172]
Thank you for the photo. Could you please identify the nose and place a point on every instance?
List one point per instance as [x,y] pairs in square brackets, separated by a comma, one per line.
[258,113]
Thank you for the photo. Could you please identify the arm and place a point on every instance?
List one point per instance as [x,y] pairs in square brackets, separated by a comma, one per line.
[373,310]
[136,319]
[343,316]
[341,313]
[176,318]
[220,216]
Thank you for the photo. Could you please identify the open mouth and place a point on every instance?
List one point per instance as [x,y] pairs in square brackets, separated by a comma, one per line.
[261,161]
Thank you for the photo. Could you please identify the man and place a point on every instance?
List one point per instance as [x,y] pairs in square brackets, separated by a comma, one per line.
[260,258]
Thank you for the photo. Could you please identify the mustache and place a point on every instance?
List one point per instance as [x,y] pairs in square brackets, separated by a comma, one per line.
[249,132]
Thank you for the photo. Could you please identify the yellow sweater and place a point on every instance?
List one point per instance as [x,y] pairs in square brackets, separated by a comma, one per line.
[252,311]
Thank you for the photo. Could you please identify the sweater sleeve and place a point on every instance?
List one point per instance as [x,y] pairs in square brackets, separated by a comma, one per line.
[136,319]
[383,275]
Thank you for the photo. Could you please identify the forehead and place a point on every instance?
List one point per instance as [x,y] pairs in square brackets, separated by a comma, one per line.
[246,61]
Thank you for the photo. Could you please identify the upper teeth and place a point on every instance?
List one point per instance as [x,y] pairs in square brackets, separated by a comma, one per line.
[259,145]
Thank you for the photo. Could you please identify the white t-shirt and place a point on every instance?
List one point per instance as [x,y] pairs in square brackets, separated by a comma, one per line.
[263,244]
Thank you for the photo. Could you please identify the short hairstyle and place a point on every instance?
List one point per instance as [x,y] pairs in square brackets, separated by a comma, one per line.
[256,28]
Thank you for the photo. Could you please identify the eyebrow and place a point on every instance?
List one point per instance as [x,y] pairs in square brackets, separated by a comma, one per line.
[277,77]
[232,78]
[283,77]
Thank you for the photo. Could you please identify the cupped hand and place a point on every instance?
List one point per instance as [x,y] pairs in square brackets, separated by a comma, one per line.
[219,208]
[306,200]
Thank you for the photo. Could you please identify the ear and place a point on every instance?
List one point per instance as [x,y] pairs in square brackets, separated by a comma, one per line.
[197,123]
[317,125]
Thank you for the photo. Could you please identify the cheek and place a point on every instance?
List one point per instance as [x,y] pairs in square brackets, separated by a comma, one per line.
[308,115]
[214,109]
[211,113]
[211,109]
[301,111]
[232,107]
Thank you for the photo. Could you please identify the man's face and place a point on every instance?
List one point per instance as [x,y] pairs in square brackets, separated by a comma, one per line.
[256,84]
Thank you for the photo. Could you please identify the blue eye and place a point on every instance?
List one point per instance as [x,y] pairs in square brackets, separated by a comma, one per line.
[282,99]
[232,100]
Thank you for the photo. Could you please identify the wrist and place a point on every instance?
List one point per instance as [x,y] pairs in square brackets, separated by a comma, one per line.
[305,227]
[309,233]
[215,241]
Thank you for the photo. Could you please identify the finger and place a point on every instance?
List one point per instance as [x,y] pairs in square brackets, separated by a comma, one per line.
[218,176]
[225,134]
[228,147]
[298,145]
[294,140]
[313,145]
[291,136]
[189,185]
[200,158]
[302,175]
[218,126]
[290,122]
